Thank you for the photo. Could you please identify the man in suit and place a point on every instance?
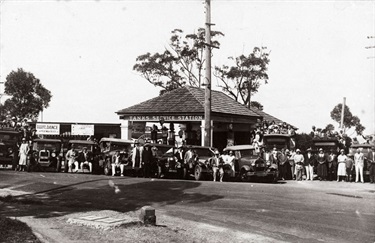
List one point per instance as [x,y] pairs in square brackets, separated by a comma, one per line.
[146,160]
[71,158]
[309,164]
[371,164]
[136,159]
[217,166]
[85,158]
[359,163]
[283,164]
[117,163]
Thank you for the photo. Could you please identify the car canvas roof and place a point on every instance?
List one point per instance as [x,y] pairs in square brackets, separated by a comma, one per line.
[365,145]
[116,140]
[47,140]
[239,147]
[9,131]
[158,145]
[277,135]
[81,142]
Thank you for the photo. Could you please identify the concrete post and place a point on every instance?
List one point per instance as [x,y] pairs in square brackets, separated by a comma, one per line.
[147,215]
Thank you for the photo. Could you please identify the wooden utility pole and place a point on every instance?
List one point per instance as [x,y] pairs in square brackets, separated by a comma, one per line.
[207,96]
[342,114]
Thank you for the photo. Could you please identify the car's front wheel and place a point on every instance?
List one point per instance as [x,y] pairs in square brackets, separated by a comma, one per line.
[243,175]
[198,173]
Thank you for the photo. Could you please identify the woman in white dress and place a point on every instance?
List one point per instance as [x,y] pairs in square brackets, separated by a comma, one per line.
[341,161]
[24,150]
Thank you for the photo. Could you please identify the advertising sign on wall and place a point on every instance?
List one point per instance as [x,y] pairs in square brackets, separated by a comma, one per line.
[47,129]
[85,130]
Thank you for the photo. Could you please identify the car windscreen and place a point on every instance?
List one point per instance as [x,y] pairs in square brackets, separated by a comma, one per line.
[79,147]
[47,145]
[248,153]
[8,137]
[276,142]
[121,146]
[162,150]
[203,152]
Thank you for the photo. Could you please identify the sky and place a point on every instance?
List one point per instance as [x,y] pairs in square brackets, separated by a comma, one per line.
[84,53]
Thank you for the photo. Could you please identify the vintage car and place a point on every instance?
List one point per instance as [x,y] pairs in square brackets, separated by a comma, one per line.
[92,147]
[279,141]
[249,164]
[8,145]
[327,144]
[108,148]
[202,168]
[365,149]
[46,155]
[164,162]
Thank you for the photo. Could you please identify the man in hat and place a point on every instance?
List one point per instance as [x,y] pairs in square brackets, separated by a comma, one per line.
[332,165]
[71,159]
[359,163]
[136,159]
[309,164]
[216,163]
[85,158]
[298,160]
[146,161]
[371,163]
[283,164]
[117,163]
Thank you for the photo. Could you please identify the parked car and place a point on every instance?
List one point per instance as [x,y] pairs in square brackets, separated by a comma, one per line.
[249,164]
[46,155]
[108,148]
[279,141]
[327,144]
[164,162]
[92,147]
[365,149]
[8,146]
[202,168]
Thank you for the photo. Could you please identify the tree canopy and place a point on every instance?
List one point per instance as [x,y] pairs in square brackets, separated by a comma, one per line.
[243,78]
[27,95]
[349,119]
[181,63]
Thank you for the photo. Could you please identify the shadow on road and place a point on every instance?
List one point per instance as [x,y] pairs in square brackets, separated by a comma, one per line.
[115,195]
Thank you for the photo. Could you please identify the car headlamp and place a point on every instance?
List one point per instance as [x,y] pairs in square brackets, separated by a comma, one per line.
[252,164]
[268,163]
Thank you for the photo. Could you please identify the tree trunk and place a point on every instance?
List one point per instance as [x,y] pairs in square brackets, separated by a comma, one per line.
[249,95]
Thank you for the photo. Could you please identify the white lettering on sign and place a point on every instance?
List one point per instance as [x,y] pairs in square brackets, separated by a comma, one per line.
[47,129]
[86,130]
[166,118]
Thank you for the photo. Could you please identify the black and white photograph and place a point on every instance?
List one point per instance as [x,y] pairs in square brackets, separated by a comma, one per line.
[210,121]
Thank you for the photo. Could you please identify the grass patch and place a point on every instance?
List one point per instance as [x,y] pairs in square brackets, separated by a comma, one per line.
[15,231]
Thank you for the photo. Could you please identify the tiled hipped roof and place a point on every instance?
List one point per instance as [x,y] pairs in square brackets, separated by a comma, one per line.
[189,100]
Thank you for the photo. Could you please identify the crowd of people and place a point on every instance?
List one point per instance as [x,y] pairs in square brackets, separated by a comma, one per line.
[265,127]
[323,165]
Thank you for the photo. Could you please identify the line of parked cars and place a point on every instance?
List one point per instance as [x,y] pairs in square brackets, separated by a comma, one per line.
[49,155]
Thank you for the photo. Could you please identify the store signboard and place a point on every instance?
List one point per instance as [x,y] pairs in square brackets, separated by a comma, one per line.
[85,130]
[156,118]
[47,129]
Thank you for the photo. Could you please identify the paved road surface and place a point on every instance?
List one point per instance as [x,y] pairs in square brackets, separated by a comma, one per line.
[290,211]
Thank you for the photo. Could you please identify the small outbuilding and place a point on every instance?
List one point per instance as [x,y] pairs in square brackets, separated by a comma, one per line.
[232,122]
